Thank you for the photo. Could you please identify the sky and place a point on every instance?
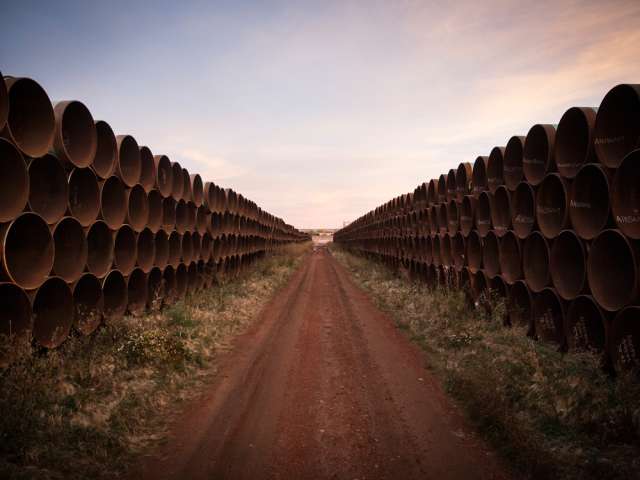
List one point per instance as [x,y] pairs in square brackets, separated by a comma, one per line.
[321,111]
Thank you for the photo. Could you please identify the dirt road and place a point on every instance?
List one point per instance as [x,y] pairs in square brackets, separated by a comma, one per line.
[322,387]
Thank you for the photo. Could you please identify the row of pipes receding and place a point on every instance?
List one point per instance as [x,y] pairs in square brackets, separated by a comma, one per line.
[550,222]
[92,225]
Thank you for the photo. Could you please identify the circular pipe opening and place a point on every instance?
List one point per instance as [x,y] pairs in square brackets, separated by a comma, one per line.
[187,195]
[451,185]
[202,219]
[154,199]
[52,313]
[177,182]
[585,325]
[625,197]
[161,247]
[433,219]
[125,249]
[510,258]
[83,196]
[474,251]
[71,250]
[155,289]
[15,311]
[512,162]
[137,292]
[104,162]
[75,141]
[617,126]
[182,280]
[146,250]
[88,304]
[463,180]
[196,239]
[523,210]
[589,210]
[182,217]
[467,214]
[147,169]
[168,213]
[479,176]
[192,215]
[31,123]
[624,342]
[574,140]
[114,293]
[48,189]
[137,207]
[436,248]
[552,201]
[207,247]
[432,192]
[491,254]
[501,210]
[442,189]
[519,305]
[197,191]
[612,270]
[538,153]
[28,250]
[568,265]
[175,249]
[164,175]
[548,317]
[442,219]
[14,182]
[113,202]
[495,174]
[483,213]
[129,165]
[535,262]
[99,249]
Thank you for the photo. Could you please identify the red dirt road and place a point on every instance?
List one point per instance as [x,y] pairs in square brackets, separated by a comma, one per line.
[322,387]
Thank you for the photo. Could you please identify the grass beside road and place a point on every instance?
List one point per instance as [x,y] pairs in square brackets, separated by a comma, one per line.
[88,408]
[551,415]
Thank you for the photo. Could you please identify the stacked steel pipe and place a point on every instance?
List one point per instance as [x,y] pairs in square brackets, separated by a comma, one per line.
[92,225]
[551,222]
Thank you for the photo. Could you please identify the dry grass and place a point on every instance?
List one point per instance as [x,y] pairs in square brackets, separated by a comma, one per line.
[551,415]
[88,408]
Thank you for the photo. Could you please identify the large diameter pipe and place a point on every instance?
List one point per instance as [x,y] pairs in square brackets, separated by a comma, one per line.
[99,248]
[574,140]
[4,103]
[88,304]
[625,197]
[177,188]
[203,219]
[129,165]
[146,247]
[548,317]
[446,250]
[71,249]
[31,122]
[154,199]
[193,281]
[523,210]
[168,213]
[113,202]
[474,251]
[164,175]
[552,205]
[589,210]
[495,174]
[27,251]
[510,258]
[187,195]
[568,265]
[491,254]
[519,305]
[433,220]
[14,182]
[624,339]
[161,247]
[15,311]
[443,225]
[48,188]
[125,249]
[479,176]
[467,211]
[612,270]
[483,213]
[617,128]
[182,216]
[463,180]
[453,219]
[175,249]
[137,207]
[513,172]
[436,249]
[155,289]
[432,192]
[137,292]
[501,210]
[585,325]
[147,169]
[76,140]
[197,189]
[196,240]
[452,190]
[442,189]
[104,162]
[114,291]
[459,251]
[535,262]
[538,157]
[52,312]
[83,202]
[186,248]
[206,249]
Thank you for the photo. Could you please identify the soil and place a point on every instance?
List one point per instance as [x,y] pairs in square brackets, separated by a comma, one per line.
[323,386]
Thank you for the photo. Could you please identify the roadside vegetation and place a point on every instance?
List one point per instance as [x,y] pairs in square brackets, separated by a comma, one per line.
[88,408]
[551,415]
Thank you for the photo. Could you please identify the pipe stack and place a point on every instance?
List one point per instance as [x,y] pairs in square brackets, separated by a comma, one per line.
[93,226]
[550,222]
